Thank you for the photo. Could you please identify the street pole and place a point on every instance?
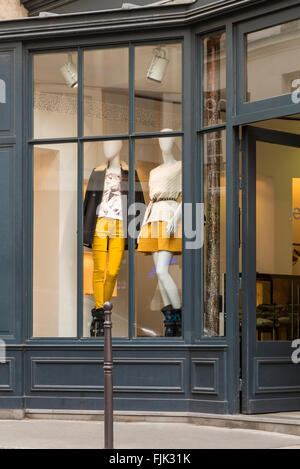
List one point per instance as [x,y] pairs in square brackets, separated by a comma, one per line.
[108,379]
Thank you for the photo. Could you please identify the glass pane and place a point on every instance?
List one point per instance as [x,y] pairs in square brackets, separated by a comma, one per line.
[273,61]
[106,92]
[158,264]
[55,241]
[105,256]
[158,94]
[55,95]
[277,242]
[214,233]
[214,80]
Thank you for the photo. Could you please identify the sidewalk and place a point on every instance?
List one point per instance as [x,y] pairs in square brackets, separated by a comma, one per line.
[58,434]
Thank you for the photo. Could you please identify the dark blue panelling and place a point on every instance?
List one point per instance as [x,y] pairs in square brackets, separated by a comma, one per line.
[130,375]
[205,373]
[276,375]
[208,381]
[144,379]
[7,247]
[62,374]
[11,379]
[7,375]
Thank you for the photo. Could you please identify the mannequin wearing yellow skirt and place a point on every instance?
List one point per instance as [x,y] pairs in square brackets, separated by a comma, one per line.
[161,232]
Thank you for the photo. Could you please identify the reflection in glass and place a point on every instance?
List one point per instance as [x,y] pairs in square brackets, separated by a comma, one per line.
[214,233]
[55,95]
[55,241]
[105,260]
[158,257]
[106,91]
[277,242]
[273,61]
[158,94]
[214,79]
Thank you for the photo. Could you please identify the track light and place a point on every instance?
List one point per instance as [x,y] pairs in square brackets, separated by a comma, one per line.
[157,69]
[69,72]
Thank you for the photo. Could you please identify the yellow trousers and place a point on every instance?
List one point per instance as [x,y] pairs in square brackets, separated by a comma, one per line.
[108,241]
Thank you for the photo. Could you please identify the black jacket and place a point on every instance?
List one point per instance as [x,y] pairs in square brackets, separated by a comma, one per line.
[93,198]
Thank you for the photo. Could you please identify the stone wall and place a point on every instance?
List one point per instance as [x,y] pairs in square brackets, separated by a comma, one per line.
[10,9]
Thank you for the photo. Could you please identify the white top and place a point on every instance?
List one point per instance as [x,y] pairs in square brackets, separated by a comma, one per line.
[111,203]
[164,183]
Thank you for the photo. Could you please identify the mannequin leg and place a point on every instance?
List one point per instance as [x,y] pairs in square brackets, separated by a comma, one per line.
[99,256]
[115,254]
[165,298]
[99,249]
[162,270]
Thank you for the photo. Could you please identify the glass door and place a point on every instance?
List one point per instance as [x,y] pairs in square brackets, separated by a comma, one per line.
[270,270]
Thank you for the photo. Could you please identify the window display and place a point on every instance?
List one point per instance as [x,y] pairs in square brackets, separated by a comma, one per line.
[214,79]
[55,86]
[160,237]
[214,233]
[55,240]
[106,106]
[158,83]
[105,226]
[129,187]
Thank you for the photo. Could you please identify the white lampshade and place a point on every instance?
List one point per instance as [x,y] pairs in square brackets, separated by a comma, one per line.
[157,69]
[69,72]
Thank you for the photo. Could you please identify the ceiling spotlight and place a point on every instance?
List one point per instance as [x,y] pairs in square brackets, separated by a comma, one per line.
[69,71]
[157,69]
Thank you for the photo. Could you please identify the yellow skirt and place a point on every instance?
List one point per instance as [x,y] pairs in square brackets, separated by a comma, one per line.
[154,237]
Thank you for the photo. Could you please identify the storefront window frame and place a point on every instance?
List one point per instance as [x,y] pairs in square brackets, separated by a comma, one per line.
[265,108]
[201,131]
[80,139]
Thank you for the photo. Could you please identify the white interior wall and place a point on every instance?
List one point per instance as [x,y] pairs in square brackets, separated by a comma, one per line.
[64,191]
[277,165]
[268,59]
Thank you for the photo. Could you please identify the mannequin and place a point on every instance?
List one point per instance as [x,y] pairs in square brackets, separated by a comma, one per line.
[108,243]
[161,218]
[105,209]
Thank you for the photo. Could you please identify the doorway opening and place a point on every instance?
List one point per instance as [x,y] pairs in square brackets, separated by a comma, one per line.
[270,265]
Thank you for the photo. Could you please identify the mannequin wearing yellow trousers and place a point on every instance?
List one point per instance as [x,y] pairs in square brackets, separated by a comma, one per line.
[108,240]
[105,216]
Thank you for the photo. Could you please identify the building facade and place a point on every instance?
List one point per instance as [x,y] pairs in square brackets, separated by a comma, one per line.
[200,96]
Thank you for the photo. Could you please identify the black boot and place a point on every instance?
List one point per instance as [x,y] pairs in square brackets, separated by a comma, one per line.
[170,324]
[176,316]
[97,326]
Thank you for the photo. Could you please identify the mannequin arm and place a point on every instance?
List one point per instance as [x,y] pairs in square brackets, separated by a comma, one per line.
[172,224]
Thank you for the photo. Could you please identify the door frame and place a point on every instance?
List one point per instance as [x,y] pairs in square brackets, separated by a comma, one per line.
[256,396]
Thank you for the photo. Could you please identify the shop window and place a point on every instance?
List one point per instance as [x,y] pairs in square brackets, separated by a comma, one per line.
[82,259]
[105,256]
[55,95]
[106,104]
[273,67]
[214,233]
[55,240]
[158,95]
[158,274]
[214,79]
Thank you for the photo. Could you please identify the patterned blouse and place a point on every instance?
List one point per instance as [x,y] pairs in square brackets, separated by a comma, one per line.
[111,204]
